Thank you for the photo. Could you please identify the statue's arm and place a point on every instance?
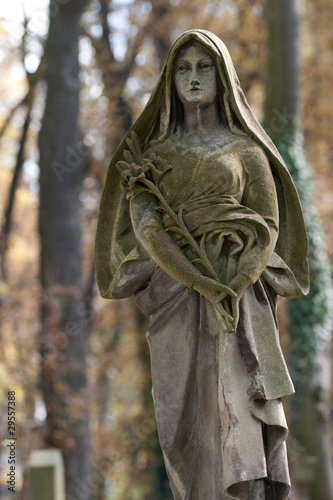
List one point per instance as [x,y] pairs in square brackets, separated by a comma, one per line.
[260,196]
[159,244]
[164,250]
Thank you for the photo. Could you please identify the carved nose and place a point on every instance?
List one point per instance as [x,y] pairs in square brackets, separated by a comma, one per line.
[195,82]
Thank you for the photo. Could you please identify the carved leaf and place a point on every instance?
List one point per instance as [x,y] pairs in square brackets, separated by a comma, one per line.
[131,146]
[202,244]
[122,165]
[128,156]
[180,215]
[135,147]
[199,261]
[176,230]
[136,144]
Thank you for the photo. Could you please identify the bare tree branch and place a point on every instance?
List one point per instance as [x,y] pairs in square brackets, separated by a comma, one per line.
[104,22]
[12,191]
[33,79]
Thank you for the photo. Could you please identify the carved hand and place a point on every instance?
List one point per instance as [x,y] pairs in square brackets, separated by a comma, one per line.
[216,292]
[235,311]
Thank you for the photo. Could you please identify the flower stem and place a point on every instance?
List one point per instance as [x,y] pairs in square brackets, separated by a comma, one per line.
[180,223]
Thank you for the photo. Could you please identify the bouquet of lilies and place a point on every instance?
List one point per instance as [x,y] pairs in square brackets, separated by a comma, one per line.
[139,173]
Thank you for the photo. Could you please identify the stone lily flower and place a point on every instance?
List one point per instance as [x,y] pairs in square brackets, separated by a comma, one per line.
[139,173]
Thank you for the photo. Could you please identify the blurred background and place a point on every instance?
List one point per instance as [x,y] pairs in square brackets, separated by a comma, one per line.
[74,76]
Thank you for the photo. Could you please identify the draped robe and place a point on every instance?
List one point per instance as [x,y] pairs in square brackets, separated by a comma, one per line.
[220,420]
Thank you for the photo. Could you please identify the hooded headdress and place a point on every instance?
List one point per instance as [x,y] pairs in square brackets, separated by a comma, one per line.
[115,240]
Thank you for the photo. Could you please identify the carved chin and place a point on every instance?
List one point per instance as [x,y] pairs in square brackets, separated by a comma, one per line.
[198,99]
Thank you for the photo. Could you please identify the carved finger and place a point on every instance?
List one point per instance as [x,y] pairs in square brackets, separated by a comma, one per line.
[224,313]
[225,289]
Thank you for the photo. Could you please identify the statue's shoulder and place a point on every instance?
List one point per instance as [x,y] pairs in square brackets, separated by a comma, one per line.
[231,143]
[249,150]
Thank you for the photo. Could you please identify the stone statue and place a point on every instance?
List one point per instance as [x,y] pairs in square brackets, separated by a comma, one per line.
[201,222]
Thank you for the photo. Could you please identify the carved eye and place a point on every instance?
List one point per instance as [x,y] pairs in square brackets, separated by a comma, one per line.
[182,67]
[206,66]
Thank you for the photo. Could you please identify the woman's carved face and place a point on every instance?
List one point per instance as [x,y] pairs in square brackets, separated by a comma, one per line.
[195,77]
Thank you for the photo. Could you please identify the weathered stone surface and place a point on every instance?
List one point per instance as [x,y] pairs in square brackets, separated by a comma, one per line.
[201,221]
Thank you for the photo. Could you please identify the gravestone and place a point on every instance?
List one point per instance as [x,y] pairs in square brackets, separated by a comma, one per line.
[46,475]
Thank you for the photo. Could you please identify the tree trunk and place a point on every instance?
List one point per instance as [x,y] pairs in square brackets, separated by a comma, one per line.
[282,106]
[309,318]
[65,313]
